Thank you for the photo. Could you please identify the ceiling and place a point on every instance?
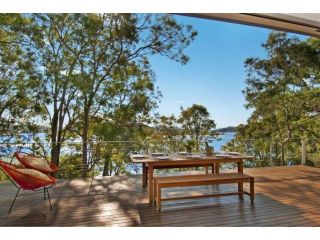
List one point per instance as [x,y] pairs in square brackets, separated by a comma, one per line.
[303,23]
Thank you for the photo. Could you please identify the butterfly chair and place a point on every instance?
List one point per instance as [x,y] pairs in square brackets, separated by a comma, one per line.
[27,179]
[37,163]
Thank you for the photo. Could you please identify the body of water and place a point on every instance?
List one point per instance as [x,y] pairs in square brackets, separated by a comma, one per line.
[221,140]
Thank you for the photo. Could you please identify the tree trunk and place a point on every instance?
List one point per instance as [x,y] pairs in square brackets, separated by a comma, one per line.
[282,153]
[277,154]
[197,144]
[56,135]
[85,143]
[55,153]
[55,150]
[106,167]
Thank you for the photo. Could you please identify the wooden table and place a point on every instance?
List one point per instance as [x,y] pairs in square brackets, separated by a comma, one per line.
[149,163]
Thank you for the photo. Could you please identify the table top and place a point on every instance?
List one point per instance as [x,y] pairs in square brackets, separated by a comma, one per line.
[170,158]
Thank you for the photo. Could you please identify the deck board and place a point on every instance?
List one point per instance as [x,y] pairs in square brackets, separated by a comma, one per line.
[285,196]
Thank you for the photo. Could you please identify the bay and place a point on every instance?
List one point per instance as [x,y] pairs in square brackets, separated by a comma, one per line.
[221,140]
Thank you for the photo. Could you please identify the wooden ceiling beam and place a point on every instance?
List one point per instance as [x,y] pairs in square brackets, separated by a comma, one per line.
[273,21]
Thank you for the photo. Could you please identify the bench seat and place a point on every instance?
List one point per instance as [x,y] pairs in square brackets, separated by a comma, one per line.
[200,180]
[205,165]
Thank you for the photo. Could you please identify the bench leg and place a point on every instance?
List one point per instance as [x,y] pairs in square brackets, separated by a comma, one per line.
[207,169]
[150,179]
[158,198]
[154,191]
[252,189]
[240,189]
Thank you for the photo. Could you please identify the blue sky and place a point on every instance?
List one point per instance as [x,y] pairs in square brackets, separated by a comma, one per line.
[215,75]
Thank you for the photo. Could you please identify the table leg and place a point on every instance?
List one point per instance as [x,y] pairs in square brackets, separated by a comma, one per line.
[240,170]
[207,169]
[217,167]
[150,183]
[212,168]
[144,175]
[240,166]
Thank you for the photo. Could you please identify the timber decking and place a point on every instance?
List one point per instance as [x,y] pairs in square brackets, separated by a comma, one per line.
[285,196]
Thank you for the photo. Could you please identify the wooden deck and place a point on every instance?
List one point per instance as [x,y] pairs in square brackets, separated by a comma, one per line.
[285,196]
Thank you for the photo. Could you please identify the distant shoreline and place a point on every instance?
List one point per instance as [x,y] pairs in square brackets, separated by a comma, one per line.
[226,129]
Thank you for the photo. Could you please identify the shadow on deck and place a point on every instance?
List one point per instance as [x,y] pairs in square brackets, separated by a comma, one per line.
[285,196]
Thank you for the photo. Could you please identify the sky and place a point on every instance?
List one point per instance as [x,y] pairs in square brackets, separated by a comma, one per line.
[215,74]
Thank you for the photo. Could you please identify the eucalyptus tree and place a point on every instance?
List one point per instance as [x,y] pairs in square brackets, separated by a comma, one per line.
[37,74]
[17,77]
[114,42]
[196,124]
[56,92]
[167,129]
[283,90]
[124,122]
[68,69]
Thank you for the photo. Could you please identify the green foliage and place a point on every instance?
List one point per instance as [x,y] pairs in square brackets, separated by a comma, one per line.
[283,91]
[17,76]
[114,76]
[196,124]
[167,135]
[186,133]
[70,166]
[118,163]
[67,73]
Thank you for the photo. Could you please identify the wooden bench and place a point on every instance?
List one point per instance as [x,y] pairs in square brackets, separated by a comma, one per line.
[200,180]
[145,169]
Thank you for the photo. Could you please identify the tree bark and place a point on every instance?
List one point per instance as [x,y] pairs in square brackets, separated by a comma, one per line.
[197,143]
[55,149]
[282,153]
[85,142]
[106,167]
[56,133]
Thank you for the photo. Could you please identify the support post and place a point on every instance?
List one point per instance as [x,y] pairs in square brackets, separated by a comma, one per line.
[303,151]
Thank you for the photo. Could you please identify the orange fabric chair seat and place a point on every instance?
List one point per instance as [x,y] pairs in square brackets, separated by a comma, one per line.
[28,179]
[37,163]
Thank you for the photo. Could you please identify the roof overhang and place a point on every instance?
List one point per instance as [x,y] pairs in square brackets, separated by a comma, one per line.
[302,23]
